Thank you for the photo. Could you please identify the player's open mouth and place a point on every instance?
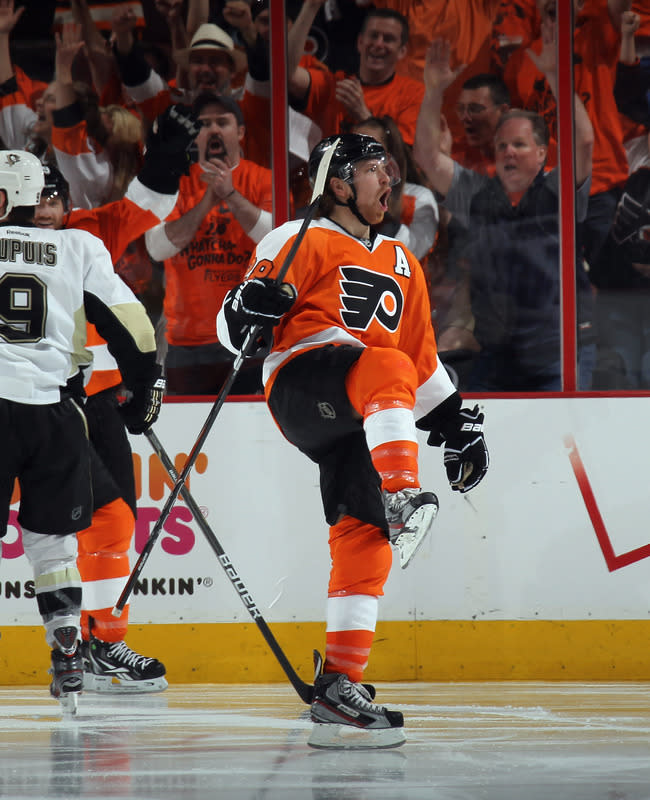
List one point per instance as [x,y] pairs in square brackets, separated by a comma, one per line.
[383,200]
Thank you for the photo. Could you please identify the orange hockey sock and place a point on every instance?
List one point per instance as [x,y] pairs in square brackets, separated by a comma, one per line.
[103,563]
[381,386]
[348,652]
[361,560]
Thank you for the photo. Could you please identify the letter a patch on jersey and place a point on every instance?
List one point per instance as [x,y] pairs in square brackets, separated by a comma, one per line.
[368,295]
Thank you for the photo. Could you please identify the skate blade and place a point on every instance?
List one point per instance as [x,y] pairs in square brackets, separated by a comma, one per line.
[419,524]
[329,736]
[109,684]
[69,703]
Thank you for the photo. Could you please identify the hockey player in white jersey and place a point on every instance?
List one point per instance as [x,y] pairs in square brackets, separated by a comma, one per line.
[50,283]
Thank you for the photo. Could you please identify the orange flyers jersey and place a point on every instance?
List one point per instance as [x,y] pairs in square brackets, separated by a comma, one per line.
[400,98]
[596,44]
[31,88]
[102,12]
[517,24]
[349,294]
[118,223]
[199,276]
[16,116]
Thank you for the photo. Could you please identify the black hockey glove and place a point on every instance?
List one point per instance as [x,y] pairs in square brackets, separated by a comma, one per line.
[466,456]
[142,408]
[258,302]
[261,301]
[167,155]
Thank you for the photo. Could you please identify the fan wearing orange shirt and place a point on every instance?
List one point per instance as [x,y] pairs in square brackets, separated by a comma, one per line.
[467,24]
[223,209]
[337,101]
[352,372]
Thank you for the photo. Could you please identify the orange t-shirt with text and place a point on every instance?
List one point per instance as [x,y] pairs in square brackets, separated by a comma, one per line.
[199,276]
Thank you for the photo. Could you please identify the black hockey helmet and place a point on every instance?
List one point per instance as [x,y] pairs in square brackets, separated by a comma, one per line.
[631,228]
[351,148]
[55,185]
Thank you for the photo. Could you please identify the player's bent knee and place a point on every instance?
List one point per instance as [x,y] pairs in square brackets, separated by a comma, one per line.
[381,377]
[361,558]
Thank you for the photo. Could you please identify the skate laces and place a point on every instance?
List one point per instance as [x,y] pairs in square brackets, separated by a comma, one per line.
[127,656]
[358,695]
[395,502]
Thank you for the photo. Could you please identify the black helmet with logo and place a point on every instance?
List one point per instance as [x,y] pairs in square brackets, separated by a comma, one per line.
[351,148]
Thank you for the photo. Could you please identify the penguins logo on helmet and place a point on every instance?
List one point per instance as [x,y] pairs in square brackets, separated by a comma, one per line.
[21,179]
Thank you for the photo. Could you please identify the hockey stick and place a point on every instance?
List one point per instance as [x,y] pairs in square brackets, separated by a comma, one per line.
[319,186]
[305,690]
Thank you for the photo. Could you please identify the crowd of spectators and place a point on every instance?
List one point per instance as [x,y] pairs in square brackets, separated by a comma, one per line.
[461,93]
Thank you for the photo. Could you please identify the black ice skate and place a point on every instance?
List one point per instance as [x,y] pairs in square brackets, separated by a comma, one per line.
[345,718]
[114,667]
[410,514]
[67,669]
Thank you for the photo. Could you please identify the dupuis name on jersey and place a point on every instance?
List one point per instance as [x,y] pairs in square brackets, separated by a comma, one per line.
[31,252]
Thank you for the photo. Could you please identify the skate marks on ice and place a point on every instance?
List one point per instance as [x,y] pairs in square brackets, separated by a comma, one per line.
[492,741]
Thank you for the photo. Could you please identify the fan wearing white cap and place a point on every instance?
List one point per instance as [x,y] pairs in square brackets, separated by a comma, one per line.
[210,63]
[211,60]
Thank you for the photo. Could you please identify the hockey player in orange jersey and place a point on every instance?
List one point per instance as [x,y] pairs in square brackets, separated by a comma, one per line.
[351,373]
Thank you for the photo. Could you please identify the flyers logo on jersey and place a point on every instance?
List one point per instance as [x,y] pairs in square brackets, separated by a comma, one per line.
[368,295]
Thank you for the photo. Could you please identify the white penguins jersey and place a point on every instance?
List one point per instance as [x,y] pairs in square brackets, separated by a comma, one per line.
[50,283]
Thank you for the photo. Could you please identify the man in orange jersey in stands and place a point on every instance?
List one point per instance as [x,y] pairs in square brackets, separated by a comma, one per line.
[109,663]
[337,101]
[352,372]
[467,24]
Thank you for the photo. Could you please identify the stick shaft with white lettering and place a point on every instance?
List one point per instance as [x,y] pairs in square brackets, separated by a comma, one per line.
[251,336]
[305,690]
